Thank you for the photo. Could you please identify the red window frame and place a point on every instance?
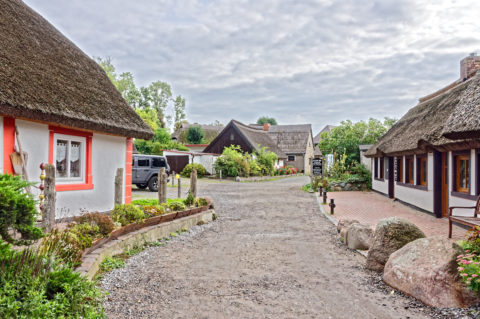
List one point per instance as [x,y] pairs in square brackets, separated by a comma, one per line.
[88,183]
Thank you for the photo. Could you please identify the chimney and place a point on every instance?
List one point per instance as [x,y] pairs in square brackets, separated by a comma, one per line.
[469,65]
[266,126]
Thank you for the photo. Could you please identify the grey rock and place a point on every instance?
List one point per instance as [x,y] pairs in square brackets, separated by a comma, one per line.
[390,235]
[345,223]
[359,236]
[426,270]
[348,187]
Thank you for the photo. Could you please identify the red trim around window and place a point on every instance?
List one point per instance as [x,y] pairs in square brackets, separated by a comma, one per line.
[88,184]
[8,143]
[128,171]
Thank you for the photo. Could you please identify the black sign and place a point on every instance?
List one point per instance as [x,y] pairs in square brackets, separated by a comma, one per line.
[317,167]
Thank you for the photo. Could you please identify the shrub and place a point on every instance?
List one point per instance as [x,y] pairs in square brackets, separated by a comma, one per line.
[154,210]
[190,199]
[103,221]
[111,263]
[200,202]
[85,233]
[266,161]
[201,171]
[17,210]
[127,214]
[469,262]
[64,245]
[177,206]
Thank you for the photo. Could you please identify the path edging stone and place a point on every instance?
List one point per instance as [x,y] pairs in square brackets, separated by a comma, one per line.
[91,261]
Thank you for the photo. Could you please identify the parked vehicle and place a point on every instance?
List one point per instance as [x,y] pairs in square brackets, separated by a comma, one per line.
[145,170]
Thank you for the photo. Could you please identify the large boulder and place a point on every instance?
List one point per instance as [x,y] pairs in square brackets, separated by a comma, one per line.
[345,223]
[426,270]
[358,236]
[390,235]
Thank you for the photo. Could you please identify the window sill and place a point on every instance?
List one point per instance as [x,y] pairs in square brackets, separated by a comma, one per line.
[72,187]
[419,187]
[464,195]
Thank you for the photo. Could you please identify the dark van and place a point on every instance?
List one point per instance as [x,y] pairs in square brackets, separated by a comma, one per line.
[145,170]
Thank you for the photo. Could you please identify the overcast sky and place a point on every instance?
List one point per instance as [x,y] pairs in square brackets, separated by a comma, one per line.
[300,61]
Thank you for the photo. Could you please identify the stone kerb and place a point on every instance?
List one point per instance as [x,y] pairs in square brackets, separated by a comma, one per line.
[91,261]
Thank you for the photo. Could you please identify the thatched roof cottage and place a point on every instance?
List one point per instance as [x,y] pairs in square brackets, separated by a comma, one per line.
[66,111]
[430,157]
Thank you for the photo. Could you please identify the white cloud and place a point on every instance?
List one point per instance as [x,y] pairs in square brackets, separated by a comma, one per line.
[314,61]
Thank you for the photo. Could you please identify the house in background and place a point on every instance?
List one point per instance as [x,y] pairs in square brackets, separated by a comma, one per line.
[296,141]
[431,157]
[177,160]
[211,131]
[67,113]
[249,139]
[329,159]
[365,161]
[196,148]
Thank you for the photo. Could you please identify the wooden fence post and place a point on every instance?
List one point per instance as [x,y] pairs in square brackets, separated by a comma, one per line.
[119,186]
[162,186]
[179,187]
[48,208]
[173,178]
[193,183]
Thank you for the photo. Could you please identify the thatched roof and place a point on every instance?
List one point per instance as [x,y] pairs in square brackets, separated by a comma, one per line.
[45,77]
[292,139]
[423,126]
[258,138]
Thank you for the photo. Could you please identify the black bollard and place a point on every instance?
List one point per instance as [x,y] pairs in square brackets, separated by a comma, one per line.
[320,191]
[324,197]
[332,206]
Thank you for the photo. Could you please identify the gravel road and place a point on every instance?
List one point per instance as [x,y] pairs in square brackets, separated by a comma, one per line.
[270,254]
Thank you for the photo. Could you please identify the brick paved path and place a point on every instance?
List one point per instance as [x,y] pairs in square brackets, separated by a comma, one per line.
[370,207]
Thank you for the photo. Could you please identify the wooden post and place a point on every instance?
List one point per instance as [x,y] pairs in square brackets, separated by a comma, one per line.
[119,186]
[162,186]
[179,187]
[220,174]
[173,178]
[48,208]
[193,183]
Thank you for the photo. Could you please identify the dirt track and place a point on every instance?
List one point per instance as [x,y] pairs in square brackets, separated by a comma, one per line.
[269,255]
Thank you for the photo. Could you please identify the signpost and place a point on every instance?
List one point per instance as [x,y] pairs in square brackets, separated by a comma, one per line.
[317,165]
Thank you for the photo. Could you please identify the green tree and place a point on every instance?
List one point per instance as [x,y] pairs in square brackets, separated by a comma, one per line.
[160,141]
[195,135]
[345,138]
[265,119]
[179,111]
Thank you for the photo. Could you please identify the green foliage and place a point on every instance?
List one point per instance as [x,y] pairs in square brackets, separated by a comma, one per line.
[200,202]
[155,210]
[345,138]
[177,205]
[233,162]
[145,202]
[201,171]
[102,221]
[33,285]
[179,111]
[195,135]
[127,214]
[469,262]
[85,233]
[111,263]
[161,141]
[265,119]
[17,210]
[190,200]
[65,246]
[266,161]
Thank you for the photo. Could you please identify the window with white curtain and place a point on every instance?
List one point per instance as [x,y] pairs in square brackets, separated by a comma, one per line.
[69,157]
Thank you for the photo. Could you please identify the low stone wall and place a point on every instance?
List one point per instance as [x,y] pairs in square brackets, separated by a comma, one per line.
[263,178]
[346,187]
[92,260]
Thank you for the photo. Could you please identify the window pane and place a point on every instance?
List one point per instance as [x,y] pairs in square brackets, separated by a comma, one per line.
[462,174]
[61,158]
[75,156]
[143,162]
[158,162]
[467,172]
[424,171]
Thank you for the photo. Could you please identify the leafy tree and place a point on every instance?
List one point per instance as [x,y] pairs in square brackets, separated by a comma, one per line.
[161,141]
[195,135]
[179,111]
[345,138]
[150,117]
[265,119]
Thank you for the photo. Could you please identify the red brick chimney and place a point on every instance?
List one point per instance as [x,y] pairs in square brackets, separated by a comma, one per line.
[266,126]
[469,65]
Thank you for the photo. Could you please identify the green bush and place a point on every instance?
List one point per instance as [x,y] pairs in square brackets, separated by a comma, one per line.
[176,206]
[201,171]
[103,221]
[190,199]
[127,214]
[33,285]
[145,202]
[154,210]
[233,162]
[17,210]
[65,246]
[199,202]
[85,233]
[266,161]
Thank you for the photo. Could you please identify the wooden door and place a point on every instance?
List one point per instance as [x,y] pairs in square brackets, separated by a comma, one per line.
[391,177]
[444,184]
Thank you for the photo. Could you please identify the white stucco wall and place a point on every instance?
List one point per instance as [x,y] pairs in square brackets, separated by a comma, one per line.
[418,197]
[207,161]
[379,185]
[1,144]
[108,154]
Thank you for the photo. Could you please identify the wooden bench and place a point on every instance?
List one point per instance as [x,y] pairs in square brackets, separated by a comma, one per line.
[464,220]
